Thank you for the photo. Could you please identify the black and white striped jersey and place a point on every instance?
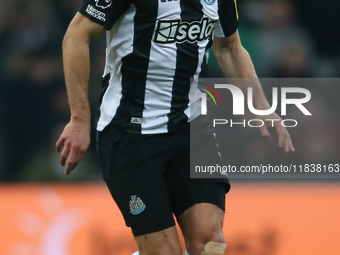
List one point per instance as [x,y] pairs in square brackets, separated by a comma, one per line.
[154,49]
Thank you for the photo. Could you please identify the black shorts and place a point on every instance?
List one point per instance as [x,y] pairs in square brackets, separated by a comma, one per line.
[149,175]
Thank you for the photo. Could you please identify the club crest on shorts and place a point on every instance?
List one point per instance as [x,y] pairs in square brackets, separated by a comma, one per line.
[103,3]
[136,205]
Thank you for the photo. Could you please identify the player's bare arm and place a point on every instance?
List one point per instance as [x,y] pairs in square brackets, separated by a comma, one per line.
[235,62]
[75,138]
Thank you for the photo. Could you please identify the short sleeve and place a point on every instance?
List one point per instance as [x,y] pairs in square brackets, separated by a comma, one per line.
[228,18]
[104,12]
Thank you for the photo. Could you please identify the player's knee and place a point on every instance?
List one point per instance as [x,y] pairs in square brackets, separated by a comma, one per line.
[160,248]
[213,248]
[207,244]
[210,248]
[170,249]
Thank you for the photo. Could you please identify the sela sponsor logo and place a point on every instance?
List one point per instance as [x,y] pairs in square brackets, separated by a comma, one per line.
[95,13]
[136,205]
[178,31]
[103,3]
[239,102]
[209,2]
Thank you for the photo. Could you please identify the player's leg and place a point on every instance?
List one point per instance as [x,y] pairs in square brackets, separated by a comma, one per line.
[164,242]
[199,204]
[132,166]
[202,223]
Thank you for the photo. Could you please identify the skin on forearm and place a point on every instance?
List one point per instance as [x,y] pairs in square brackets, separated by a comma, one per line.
[235,63]
[76,60]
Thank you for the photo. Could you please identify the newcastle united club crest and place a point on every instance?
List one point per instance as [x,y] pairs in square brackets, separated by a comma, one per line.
[136,205]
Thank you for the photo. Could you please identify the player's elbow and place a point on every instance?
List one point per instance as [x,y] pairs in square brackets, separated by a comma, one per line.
[231,49]
[73,37]
[66,41]
[228,47]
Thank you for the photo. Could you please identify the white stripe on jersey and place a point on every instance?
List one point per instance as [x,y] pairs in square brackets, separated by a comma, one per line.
[210,10]
[195,95]
[218,30]
[119,44]
[161,70]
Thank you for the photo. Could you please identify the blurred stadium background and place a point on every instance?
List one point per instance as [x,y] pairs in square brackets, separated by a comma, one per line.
[45,212]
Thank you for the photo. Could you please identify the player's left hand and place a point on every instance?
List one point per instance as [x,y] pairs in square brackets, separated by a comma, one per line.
[284,140]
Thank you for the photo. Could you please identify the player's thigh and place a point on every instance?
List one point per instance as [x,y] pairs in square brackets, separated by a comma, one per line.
[132,167]
[163,242]
[198,203]
[202,222]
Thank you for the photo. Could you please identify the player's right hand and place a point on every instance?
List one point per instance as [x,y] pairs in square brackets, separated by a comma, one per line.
[284,140]
[74,142]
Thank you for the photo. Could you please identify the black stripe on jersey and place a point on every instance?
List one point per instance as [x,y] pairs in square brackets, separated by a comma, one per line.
[135,66]
[205,73]
[228,16]
[186,67]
